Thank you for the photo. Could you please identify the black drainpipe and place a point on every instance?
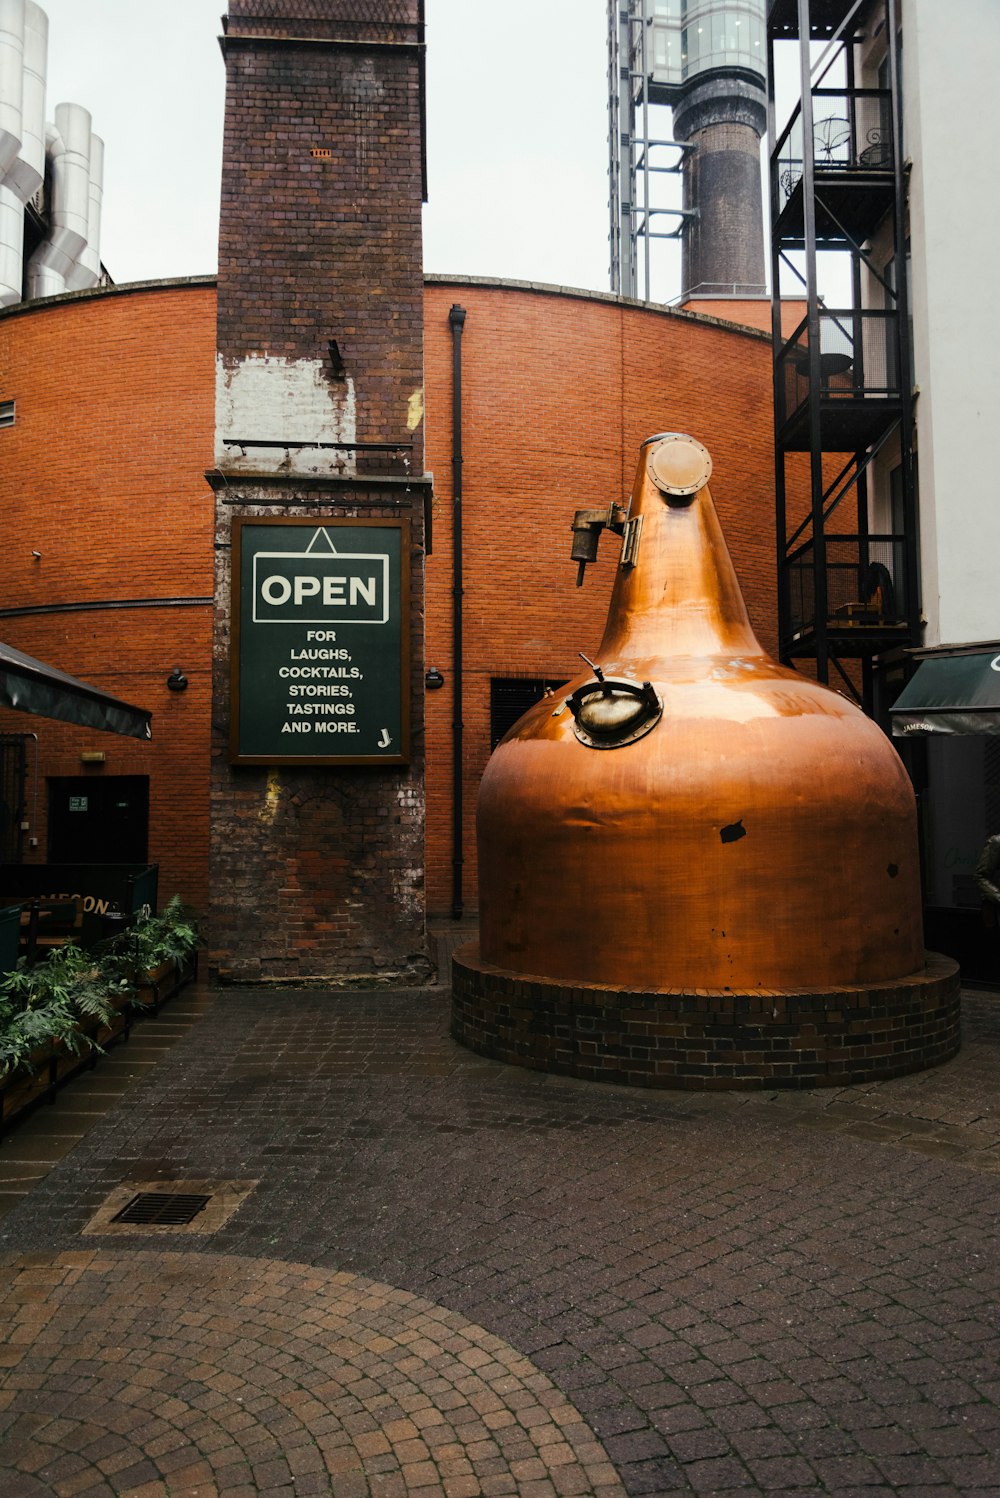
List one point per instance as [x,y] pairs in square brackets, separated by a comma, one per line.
[456,319]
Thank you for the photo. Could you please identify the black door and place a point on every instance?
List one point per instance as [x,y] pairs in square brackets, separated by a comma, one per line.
[99,820]
[12,808]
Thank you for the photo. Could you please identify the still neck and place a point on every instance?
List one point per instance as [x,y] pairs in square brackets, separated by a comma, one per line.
[681,597]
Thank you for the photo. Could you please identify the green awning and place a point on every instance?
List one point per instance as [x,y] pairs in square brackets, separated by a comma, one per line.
[31,686]
[950,694]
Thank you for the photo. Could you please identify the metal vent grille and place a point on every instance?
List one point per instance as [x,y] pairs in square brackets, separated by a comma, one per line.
[166,1208]
[510,698]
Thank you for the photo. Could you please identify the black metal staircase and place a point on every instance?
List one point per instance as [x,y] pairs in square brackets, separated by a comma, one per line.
[843,399]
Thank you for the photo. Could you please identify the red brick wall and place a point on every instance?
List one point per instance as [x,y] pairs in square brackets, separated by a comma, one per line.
[103,475]
[547,380]
[558,393]
[755,313]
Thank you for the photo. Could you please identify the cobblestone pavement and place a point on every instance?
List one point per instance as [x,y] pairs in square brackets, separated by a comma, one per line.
[753,1293]
[221,1374]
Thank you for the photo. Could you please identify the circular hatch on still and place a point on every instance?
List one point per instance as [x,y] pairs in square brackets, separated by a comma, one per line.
[610,712]
[679,466]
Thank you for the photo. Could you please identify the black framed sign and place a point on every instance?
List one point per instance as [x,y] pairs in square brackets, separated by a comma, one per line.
[320,657]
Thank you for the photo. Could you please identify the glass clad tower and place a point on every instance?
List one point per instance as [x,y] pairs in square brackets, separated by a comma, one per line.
[692,37]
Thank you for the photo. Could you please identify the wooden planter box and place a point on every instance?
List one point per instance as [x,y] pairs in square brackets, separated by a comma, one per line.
[155,987]
[53,1065]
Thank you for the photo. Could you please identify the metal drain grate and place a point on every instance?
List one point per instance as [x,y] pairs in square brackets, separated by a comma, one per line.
[168,1208]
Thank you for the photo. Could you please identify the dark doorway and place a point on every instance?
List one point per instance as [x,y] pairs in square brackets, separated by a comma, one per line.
[99,821]
[12,808]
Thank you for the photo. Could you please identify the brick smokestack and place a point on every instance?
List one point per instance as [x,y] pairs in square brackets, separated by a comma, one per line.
[723,246]
[317,868]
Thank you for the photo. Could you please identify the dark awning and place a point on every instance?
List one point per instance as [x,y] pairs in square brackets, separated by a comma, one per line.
[33,687]
[950,694]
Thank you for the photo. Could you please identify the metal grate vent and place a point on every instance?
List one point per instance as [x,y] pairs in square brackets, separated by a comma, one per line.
[165,1207]
[168,1208]
[510,698]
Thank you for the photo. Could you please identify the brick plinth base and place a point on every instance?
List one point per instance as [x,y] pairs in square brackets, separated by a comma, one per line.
[708,1039]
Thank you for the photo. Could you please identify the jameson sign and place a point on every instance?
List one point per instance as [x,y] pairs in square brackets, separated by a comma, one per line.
[320,619]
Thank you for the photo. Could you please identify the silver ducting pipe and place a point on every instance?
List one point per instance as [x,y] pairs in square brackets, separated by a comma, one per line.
[27,173]
[11,93]
[11,246]
[11,80]
[87,270]
[68,150]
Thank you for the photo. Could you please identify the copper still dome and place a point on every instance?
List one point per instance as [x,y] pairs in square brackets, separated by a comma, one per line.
[688,814]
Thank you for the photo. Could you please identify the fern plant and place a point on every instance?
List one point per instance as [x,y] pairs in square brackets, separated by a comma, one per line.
[169,936]
[51,1001]
[73,990]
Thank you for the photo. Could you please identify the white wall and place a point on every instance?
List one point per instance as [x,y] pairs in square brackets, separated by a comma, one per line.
[950,59]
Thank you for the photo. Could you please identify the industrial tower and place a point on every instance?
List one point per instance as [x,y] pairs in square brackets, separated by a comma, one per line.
[704,60]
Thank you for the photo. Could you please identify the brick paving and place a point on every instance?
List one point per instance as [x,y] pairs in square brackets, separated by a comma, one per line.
[756,1293]
[237,1376]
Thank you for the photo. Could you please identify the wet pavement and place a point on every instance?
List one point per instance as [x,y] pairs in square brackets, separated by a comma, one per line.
[448,1276]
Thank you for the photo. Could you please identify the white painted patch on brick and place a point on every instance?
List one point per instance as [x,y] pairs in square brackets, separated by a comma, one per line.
[291,400]
[407,892]
[407,881]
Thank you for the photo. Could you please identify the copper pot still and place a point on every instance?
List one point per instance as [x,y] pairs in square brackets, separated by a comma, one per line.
[688,814]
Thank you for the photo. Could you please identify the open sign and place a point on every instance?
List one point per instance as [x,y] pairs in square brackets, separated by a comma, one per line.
[313,681]
[320,585]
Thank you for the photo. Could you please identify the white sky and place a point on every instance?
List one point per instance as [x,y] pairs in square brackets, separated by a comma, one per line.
[517,134]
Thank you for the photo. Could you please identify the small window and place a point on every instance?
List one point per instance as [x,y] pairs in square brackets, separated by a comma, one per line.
[510,698]
[6,413]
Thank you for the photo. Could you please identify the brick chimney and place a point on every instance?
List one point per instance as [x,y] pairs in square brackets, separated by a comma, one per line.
[318,774]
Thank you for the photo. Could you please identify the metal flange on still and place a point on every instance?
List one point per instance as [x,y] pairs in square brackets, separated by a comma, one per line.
[612,711]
